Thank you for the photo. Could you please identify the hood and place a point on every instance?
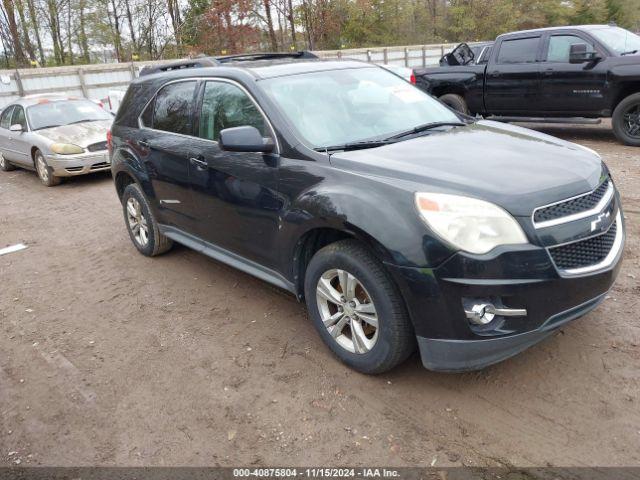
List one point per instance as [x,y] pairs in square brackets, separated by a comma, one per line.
[516,168]
[81,134]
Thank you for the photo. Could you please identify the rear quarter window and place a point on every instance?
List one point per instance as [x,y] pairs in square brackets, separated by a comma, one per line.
[173,108]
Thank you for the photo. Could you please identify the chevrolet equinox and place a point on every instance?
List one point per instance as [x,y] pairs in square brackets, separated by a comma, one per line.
[399,222]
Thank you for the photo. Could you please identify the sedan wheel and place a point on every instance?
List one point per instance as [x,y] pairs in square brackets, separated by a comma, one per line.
[347,311]
[44,172]
[4,165]
[137,222]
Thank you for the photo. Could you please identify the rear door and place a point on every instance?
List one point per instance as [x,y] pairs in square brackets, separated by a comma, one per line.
[513,76]
[164,143]
[235,193]
[5,123]
[20,143]
[568,88]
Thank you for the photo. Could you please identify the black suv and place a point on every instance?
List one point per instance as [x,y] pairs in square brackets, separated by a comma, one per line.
[398,221]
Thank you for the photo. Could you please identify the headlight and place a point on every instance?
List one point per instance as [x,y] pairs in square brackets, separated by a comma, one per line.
[66,149]
[469,224]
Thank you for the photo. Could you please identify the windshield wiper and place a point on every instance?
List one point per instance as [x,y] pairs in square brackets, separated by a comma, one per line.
[46,126]
[425,127]
[354,145]
[85,120]
[630,52]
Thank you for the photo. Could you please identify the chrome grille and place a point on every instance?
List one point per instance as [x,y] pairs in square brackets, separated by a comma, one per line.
[572,206]
[584,253]
[97,147]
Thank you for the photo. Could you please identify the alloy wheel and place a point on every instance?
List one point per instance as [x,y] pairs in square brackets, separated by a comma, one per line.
[43,171]
[631,120]
[137,222]
[347,311]
[3,163]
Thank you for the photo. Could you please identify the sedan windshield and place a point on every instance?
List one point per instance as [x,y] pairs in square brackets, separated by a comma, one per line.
[353,105]
[618,39]
[64,112]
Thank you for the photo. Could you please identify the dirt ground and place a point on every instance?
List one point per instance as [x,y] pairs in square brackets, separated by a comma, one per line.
[111,358]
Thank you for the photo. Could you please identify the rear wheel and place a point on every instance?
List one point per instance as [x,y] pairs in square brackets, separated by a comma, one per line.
[626,120]
[45,173]
[5,166]
[357,309]
[456,102]
[143,228]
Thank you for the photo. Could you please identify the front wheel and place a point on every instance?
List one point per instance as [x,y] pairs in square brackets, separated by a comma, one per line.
[45,173]
[626,120]
[357,309]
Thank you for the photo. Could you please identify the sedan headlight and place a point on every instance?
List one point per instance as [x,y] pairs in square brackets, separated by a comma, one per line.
[469,224]
[66,149]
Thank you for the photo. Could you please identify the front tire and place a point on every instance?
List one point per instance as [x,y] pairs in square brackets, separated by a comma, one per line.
[142,226]
[626,120]
[44,171]
[5,166]
[357,309]
[456,102]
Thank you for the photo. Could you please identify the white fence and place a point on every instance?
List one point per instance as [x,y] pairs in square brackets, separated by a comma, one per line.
[95,81]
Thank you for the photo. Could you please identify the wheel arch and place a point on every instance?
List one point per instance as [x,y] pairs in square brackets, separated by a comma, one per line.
[626,89]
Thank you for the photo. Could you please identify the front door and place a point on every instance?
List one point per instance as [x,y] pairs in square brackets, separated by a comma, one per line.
[163,144]
[571,88]
[512,79]
[235,194]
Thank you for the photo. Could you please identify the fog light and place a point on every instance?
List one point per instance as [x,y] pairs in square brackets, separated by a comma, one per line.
[481,312]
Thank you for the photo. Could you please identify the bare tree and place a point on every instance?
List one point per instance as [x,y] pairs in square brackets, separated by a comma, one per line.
[13,32]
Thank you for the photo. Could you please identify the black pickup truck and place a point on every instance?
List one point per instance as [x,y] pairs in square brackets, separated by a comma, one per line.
[563,74]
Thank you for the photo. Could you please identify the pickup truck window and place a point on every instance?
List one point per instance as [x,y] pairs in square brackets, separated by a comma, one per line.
[559,46]
[519,50]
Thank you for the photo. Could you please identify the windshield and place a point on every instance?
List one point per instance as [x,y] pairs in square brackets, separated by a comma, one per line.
[617,39]
[352,105]
[64,112]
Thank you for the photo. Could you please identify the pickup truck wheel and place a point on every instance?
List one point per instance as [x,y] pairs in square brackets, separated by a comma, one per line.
[141,224]
[456,102]
[357,309]
[626,120]
[5,166]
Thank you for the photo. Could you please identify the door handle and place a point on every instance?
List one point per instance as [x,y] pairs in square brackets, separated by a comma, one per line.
[495,74]
[199,162]
[144,144]
[548,72]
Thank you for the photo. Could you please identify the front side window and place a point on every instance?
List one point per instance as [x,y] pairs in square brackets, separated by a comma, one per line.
[521,50]
[350,105]
[19,118]
[225,105]
[560,47]
[173,108]
[5,119]
[48,114]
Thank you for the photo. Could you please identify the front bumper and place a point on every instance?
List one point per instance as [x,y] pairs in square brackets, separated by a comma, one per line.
[518,277]
[81,164]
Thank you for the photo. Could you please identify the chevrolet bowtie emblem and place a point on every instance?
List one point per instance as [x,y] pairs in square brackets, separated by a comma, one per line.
[597,221]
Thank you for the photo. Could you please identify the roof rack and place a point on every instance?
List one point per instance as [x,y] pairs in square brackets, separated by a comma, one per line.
[302,54]
[178,65]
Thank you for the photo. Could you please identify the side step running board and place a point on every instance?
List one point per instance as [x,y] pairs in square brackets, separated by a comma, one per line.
[578,120]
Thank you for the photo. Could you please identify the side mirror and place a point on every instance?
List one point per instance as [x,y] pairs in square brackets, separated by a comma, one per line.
[578,53]
[16,127]
[245,139]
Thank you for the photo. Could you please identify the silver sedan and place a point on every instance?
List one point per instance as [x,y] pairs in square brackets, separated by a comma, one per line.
[55,136]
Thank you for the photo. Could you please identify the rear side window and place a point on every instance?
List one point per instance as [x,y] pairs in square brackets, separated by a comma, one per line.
[5,118]
[224,106]
[173,107]
[521,50]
